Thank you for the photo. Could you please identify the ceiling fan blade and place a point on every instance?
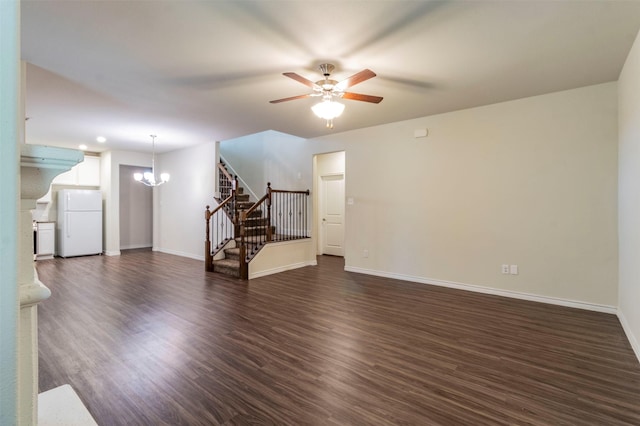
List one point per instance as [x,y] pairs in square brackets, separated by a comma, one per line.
[355,79]
[292,98]
[364,98]
[301,79]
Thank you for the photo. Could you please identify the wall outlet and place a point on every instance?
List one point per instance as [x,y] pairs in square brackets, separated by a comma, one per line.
[513,269]
[365,253]
[505,269]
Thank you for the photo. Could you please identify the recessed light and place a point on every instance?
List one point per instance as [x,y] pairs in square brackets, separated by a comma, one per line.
[101,139]
[82,147]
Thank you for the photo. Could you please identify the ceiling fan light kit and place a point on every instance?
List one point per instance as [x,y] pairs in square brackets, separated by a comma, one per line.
[329,109]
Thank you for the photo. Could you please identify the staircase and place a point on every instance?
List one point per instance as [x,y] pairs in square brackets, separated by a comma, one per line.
[255,226]
[230,265]
[239,227]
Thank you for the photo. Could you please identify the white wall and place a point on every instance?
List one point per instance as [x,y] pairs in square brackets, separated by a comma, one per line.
[283,256]
[530,182]
[136,210]
[629,196]
[181,203]
[271,156]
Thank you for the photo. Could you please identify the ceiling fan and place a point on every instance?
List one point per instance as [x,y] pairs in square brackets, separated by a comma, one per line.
[329,89]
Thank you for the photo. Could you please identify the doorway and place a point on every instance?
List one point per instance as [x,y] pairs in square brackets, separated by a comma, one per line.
[330,202]
[136,210]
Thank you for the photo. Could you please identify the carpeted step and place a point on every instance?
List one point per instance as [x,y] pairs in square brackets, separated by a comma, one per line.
[255,230]
[256,221]
[227,266]
[242,197]
[256,239]
[232,254]
[244,205]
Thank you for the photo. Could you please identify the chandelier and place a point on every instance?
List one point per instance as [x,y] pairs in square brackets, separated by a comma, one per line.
[328,110]
[149,178]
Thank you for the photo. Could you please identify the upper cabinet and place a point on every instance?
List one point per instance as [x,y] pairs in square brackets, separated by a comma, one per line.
[86,173]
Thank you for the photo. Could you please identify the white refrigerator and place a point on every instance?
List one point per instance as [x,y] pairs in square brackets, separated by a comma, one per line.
[79,223]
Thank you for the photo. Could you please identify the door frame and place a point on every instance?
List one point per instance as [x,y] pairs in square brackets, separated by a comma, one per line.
[321,209]
[317,219]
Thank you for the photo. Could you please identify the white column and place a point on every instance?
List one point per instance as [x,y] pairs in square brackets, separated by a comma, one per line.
[38,166]
[9,77]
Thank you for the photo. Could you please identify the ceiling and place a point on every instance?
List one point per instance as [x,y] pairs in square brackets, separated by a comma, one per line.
[198,71]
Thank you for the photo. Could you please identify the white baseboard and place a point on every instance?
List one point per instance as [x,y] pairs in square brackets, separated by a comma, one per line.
[179,253]
[488,290]
[112,253]
[630,336]
[282,269]
[135,246]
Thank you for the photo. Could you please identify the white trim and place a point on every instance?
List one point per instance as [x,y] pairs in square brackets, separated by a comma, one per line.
[488,290]
[283,268]
[288,242]
[630,336]
[112,253]
[135,246]
[179,253]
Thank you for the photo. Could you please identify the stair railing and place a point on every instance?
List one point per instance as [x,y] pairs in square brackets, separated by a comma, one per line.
[253,226]
[226,183]
[228,186]
[286,212]
[219,230]
[289,214]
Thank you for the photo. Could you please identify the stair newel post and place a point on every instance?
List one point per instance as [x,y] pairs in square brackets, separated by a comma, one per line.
[208,264]
[234,205]
[269,228]
[244,270]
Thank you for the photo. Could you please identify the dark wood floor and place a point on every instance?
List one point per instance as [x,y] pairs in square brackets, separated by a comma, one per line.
[151,339]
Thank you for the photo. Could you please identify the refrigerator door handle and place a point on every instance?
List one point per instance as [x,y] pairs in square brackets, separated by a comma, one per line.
[66,224]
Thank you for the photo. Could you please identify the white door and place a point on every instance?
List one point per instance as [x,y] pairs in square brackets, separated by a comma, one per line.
[332,214]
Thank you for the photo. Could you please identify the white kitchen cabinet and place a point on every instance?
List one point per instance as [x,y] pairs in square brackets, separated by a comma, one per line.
[86,173]
[45,240]
[89,171]
[67,178]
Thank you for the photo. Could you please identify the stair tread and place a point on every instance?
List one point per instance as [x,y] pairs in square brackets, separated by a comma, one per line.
[230,263]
